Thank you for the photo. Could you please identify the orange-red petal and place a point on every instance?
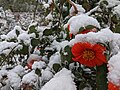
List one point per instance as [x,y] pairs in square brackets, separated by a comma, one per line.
[78,53]
[111,86]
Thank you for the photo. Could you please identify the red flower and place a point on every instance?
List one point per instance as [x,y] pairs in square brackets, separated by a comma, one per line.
[82,32]
[111,86]
[70,35]
[30,63]
[89,54]
[88,30]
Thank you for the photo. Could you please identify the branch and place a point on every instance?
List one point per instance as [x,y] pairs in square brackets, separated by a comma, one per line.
[9,54]
[73,4]
[93,10]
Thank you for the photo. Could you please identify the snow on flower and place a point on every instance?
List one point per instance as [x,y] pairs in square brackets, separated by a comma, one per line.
[83,20]
[103,36]
[32,58]
[89,54]
[61,81]
[114,69]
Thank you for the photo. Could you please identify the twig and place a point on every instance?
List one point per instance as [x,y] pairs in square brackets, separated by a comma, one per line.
[93,10]
[8,54]
[73,4]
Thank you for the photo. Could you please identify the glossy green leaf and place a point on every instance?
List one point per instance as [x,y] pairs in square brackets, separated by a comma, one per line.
[56,67]
[47,32]
[35,42]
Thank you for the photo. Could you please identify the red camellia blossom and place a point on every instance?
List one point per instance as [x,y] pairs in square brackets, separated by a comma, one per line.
[111,86]
[89,54]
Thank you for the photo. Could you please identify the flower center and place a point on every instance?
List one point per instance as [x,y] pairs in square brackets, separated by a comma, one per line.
[88,55]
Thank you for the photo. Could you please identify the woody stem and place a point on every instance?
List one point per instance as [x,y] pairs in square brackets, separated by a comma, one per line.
[101,77]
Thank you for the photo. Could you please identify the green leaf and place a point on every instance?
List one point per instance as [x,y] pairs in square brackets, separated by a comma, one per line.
[81,29]
[35,42]
[47,32]
[101,77]
[90,27]
[114,19]
[12,40]
[56,67]
[17,32]
[32,29]
[38,72]
[24,50]
[105,2]
[69,55]
[117,29]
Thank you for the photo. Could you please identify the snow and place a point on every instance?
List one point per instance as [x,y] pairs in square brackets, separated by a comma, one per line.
[112,3]
[38,65]
[102,36]
[33,24]
[49,16]
[12,34]
[61,81]
[83,20]
[19,70]
[3,37]
[116,10]
[79,8]
[14,79]
[73,67]
[46,75]
[34,57]
[42,28]
[24,37]
[50,1]
[114,69]
[55,58]
[3,73]
[64,79]
[30,78]
[6,46]
[59,45]
[46,5]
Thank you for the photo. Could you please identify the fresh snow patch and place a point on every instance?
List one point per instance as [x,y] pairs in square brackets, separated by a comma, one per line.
[114,69]
[61,81]
[79,8]
[83,20]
